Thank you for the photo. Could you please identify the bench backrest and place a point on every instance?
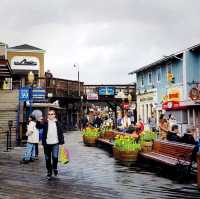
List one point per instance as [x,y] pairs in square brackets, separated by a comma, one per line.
[172,149]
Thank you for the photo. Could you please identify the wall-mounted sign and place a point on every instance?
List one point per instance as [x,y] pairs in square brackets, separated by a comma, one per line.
[173,94]
[23,94]
[25,63]
[38,94]
[171,105]
[92,96]
[194,94]
[107,91]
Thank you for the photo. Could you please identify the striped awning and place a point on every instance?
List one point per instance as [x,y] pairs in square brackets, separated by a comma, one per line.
[5,69]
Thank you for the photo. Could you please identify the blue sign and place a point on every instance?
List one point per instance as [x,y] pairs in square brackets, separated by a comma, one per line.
[107,91]
[33,94]
[23,94]
[38,94]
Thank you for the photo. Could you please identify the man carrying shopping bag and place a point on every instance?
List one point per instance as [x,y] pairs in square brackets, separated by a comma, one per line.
[51,139]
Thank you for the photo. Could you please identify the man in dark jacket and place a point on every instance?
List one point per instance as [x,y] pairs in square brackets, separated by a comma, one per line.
[51,139]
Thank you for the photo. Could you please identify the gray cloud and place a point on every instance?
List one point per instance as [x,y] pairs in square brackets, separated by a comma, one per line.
[107,39]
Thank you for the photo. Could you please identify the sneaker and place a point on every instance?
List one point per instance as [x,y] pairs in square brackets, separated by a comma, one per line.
[55,172]
[32,159]
[24,161]
[49,174]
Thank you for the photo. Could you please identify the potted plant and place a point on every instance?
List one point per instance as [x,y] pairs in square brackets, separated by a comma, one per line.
[146,140]
[90,136]
[125,148]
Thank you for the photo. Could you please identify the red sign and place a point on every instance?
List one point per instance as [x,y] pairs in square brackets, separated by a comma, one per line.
[125,106]
[170,105]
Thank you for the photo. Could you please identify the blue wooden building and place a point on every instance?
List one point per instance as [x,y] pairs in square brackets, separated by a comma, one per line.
[171,85]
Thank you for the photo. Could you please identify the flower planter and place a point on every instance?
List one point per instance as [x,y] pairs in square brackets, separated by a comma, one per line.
[116,153]
[146,146]
[128,156]
[89,141]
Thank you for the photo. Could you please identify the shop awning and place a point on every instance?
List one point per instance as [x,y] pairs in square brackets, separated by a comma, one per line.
[44,105]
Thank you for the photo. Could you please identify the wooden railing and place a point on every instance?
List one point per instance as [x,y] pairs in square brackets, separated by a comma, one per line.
[61,87]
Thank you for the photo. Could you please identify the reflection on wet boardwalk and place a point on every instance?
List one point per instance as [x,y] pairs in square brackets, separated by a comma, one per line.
[92,173]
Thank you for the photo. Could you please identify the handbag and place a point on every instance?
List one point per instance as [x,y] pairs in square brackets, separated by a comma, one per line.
[63,156]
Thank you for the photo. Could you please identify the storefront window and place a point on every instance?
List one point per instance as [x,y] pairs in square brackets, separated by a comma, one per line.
[149,77]
[159,75]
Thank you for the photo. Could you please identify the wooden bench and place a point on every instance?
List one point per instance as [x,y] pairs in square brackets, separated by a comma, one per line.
[173,154]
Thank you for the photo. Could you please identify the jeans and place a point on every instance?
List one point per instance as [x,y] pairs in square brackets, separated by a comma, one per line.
[29,151]
[51,153]
[36,150]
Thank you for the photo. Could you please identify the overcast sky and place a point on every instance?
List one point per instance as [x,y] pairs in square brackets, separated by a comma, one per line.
[106,38]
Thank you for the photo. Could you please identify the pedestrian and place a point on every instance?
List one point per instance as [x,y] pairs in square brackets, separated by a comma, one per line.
[152,123]
[51,139]
[163,127]
[33,139]
[126,122]
[97,120]
[84,122]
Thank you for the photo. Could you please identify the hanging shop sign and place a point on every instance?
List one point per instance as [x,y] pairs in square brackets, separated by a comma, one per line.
[92,96]
[125,106]
[194,94]
[107,91]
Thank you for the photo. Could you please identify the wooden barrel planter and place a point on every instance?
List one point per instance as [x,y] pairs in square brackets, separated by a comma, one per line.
[116,153]
[128,156]
[89,141]
[146,146]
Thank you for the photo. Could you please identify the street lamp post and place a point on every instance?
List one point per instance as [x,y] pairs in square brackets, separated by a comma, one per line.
[77,66]
[31,78]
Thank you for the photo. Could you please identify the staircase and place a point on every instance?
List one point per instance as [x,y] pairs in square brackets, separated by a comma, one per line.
[8,111]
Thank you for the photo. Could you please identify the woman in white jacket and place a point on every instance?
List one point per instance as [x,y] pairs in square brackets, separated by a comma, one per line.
[33,138]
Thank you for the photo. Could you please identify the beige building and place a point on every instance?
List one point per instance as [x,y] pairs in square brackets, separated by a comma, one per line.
[23,59]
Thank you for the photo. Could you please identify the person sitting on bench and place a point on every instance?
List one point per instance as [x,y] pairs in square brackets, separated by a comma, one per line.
[174,134]
[188,138]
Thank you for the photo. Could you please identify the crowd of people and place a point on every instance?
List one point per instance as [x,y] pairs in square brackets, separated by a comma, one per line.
[50,133]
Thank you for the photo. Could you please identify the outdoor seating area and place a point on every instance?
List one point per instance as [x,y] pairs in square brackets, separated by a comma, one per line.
[128,149]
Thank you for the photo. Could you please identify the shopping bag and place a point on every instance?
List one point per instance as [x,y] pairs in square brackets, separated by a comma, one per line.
[63,155]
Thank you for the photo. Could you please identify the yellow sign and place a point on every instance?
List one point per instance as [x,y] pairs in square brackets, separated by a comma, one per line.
[174,94]
[170,76]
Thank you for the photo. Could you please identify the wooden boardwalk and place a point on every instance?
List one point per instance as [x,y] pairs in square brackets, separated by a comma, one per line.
[20,181]
[91,173]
